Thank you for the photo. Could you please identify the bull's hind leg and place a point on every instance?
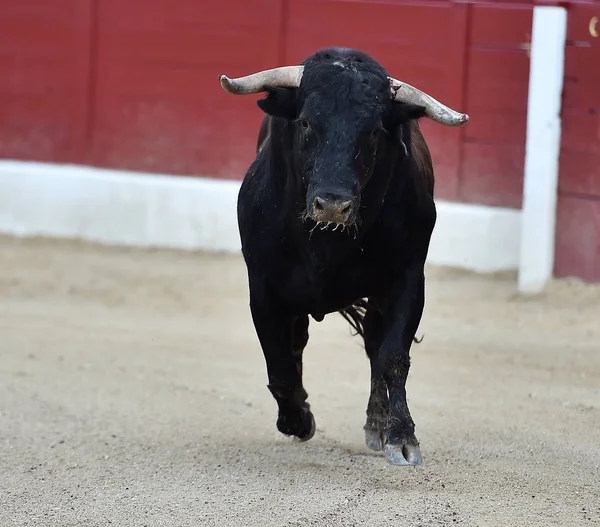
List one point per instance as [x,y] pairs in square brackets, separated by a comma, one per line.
[283,338]
[377,407]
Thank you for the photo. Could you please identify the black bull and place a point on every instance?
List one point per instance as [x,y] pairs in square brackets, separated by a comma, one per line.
[336,214]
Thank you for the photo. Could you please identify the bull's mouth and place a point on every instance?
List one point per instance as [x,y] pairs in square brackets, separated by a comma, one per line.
[349,227]
[330,225]
[331,219]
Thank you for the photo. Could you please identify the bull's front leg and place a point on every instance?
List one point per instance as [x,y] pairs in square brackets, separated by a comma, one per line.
[377,408]
[283,338]
[402,317]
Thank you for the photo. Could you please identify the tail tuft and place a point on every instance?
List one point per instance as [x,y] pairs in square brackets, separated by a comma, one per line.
[355,315]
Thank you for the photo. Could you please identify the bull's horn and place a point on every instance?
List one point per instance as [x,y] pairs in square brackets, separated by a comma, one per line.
[285,77]
[435,110]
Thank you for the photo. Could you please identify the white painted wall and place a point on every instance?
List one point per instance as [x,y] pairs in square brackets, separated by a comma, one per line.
[542,148]
[149,210]
[128,208]
[475,237]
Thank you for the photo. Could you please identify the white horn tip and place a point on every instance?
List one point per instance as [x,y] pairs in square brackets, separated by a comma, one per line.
[458,119]
[463,119]
[231,86]
[226,83]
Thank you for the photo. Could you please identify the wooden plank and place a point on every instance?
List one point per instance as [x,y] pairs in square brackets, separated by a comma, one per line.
[542,150]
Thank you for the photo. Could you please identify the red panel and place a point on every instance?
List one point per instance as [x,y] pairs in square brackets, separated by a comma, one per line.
[581,80]
[579,173]
[492,174]
[501,26]
[578,238]
[581,55]
[44,80]
[497,84]
[581,129]
[159,106]
[411,41]
[578,218]
[581,101]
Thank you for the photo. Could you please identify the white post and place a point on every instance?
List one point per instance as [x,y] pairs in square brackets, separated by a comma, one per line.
[542,150]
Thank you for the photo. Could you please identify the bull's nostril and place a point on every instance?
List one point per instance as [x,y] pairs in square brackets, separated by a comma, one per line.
[345,207]
[319,204]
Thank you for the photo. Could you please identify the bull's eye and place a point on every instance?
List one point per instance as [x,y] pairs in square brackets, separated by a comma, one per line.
[304,124]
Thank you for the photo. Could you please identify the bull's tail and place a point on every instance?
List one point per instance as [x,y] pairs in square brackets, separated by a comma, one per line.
[355,316]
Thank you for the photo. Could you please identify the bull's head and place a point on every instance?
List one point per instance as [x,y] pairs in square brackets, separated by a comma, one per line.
[341,112]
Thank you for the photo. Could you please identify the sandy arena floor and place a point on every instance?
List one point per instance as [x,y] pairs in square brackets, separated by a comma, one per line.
[133,393]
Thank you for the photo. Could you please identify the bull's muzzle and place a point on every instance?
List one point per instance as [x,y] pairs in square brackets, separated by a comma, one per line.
[332,209]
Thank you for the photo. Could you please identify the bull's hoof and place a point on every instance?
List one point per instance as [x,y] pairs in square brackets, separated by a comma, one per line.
[311,432]
[299,424]
[374,439]
[403,454]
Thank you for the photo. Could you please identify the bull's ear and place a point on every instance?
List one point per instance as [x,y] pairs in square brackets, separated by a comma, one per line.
[404,112]
[279,102]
